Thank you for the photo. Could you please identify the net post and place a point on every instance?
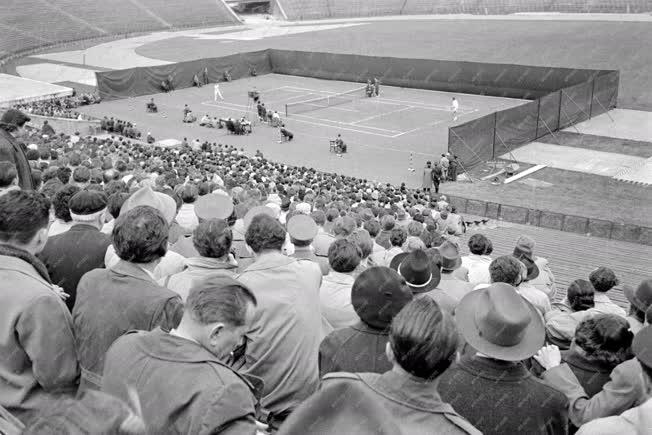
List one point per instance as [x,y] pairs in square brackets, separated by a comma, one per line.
[286,110]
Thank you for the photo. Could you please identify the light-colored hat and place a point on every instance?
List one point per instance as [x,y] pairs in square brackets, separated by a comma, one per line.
[160,201]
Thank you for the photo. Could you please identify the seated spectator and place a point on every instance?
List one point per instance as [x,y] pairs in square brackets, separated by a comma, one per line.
[562,321]
[286,289]
[205,120]
[302,230]
[477,262]
[604,279]
[81,177]
[68,256]
[125,296]
[639,302]
[286,135]
[397,239]
[422,345]
[181,376]
[151,106]
[343,227]
[47,129]
[504,329]
[450,283]
[39,364]
[637,420]
[377,295]
[373,227]
[8,177]
[113,205]
[186,216]
[365,244]
[212,240]
[150,139]
[387,223]
[335,292]
[60,204]
[529,272]
[545,281]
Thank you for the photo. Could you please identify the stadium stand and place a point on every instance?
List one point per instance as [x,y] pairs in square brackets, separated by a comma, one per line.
[29,24]
[319,9]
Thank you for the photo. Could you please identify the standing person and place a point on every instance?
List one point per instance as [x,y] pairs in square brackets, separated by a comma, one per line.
[205,75]
[39,364]
[453,168]
[181,376]
[376,86]
[216,92]
[195,81]
[444,163]
[426,183]
[455,105]
[436,177]
[11,125]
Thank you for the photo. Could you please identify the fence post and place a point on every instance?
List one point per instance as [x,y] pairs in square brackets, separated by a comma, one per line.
[561,95]
[493,145]
[591,103]
[536,132]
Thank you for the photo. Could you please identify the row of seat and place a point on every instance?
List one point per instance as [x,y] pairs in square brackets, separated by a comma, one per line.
[315,9]
[28,24]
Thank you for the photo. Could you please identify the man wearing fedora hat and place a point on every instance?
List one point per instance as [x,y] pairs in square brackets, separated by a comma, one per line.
[490,387]
[639,302]
[422,276]
[451,261]
[377,295]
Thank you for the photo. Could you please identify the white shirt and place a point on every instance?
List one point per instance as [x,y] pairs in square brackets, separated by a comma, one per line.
[478,267]
[456,105]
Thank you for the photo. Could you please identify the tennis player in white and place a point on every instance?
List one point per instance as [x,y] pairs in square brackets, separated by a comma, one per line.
[455,105]
[217,92]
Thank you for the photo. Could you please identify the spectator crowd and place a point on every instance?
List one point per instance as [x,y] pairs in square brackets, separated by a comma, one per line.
[63,107]
[200,290]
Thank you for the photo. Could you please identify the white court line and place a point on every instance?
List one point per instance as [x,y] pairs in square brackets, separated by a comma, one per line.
[345,123]
[432,124]
[341,128]
[382,114]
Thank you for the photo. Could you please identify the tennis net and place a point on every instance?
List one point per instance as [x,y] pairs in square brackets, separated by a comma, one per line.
[323,102]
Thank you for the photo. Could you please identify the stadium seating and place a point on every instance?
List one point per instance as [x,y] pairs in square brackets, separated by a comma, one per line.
[28,24]
[317,9]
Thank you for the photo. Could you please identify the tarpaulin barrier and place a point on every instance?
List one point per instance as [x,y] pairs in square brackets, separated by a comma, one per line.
[134,82]
[473,141]
[575,104]
[560,96]
[514,127]
[605,93]
[548,121]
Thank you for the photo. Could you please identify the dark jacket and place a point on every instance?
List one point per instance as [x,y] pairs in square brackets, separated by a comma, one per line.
[355,349]
[10,150]
[111,302]
[183,388]
[500,397]
[413,402]
[592,375]
[68,256]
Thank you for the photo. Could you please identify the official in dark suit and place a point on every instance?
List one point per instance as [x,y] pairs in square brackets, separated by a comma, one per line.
[126,296]
[69,255]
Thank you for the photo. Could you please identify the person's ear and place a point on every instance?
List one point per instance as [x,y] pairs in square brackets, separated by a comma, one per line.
[214,334]
[389,353]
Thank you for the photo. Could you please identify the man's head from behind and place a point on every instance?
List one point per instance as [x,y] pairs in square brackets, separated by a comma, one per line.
[422,339]
[506,269]
[217,314]
[25,220]
[8,174]
[213,238]
[603,279]
[642,348]
[141,235]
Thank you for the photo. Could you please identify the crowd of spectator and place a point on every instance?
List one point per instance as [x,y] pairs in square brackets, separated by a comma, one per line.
[201,290]
[63,107]
[120,127]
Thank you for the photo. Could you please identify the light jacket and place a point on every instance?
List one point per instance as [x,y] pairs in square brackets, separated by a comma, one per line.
[635,421]
[335,297]
[478,267]
[38,364]
[286,328]
[196,269]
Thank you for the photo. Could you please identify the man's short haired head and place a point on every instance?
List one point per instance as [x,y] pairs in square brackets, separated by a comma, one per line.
[397,237]
[319,217]
[605,339]
[506,269]
[344,226]
[387,222]
[189,193]
[479,244]
[580,295]
[603,279]
[332,214]
[344,256]
[373,227]
[212,238]
[141,235]
[423,339]
[8,174]
[363,241]
[64,173]
[217,313]
[265,233]
[61,199]
[81,174]
[25,219]
[414,229]
[115,202]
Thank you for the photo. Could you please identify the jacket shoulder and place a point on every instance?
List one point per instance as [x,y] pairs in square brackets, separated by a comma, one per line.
[342,376]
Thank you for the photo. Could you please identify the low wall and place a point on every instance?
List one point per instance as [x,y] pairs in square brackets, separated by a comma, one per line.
[556,221]
[67,126]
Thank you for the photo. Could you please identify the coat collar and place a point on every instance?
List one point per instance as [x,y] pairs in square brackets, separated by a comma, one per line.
[208,263]
[21,266]
[340,278]
[494,369]
[409,390]
[83,228]
[366,329]
[133,270]
[270,260]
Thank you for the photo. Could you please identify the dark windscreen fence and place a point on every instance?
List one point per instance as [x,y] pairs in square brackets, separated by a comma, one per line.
[560,97]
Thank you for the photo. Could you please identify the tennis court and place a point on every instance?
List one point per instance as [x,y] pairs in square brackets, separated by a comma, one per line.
[400,128]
